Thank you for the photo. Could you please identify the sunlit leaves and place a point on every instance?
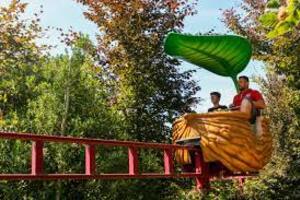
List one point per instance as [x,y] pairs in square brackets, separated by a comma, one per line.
[287,18]
[269,19]
[19,56]
[147,84]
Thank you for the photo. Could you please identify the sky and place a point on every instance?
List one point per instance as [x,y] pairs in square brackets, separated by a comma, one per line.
[67,13]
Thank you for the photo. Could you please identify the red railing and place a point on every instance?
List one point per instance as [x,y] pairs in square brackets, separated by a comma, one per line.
[201,174]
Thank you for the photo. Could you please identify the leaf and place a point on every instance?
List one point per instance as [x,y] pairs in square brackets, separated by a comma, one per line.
[269,19]
[284,27]
[272,34]
[280,29]
[273,4]
[224,55]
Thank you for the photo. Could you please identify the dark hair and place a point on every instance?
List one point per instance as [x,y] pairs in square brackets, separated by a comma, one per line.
[245,78]
[218,94]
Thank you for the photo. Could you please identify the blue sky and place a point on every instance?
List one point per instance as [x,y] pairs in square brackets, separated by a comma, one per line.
[67,13]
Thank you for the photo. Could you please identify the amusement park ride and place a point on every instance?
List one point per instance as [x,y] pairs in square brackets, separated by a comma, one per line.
[217,146]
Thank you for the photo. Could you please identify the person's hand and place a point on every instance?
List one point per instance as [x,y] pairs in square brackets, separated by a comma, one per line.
[248,96]
[233,107]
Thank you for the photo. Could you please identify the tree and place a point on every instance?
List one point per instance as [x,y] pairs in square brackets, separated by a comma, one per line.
[281,52]
[281,89]
[19,57]
[70,99]
[76,94]
[149,91]
[63,95]
[281,18]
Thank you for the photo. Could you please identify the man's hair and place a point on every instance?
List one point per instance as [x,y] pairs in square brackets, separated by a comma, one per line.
[218,94]
[245,78]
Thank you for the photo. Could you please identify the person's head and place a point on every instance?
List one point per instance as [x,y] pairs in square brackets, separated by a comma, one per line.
[215,97]
[243,83]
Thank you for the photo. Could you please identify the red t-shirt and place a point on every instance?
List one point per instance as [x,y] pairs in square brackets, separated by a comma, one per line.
[252,94]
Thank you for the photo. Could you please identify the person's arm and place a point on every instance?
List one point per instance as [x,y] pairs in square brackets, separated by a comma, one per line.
[259,104]
[258,100]
[233,106]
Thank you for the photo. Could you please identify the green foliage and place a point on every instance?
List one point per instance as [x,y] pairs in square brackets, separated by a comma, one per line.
[286,19]
[280,178]
[69,99]
[148,87]
[123,88]
[273,4]
[220,190]
[269,19]
[221,54]
[19,61]
[281,175]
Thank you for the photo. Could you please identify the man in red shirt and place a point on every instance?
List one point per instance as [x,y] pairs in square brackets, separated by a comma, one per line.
[248,100]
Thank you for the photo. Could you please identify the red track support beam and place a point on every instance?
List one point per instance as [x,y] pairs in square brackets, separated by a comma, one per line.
[37,158]
[90,161]
[133,161]
[89,141]
[201,168]
[168,161]
[202,173]
[241,182]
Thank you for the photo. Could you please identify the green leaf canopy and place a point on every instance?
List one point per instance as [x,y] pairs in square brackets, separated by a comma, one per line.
[224,55]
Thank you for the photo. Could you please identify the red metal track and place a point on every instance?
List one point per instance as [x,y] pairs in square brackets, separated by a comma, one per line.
[201,174]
